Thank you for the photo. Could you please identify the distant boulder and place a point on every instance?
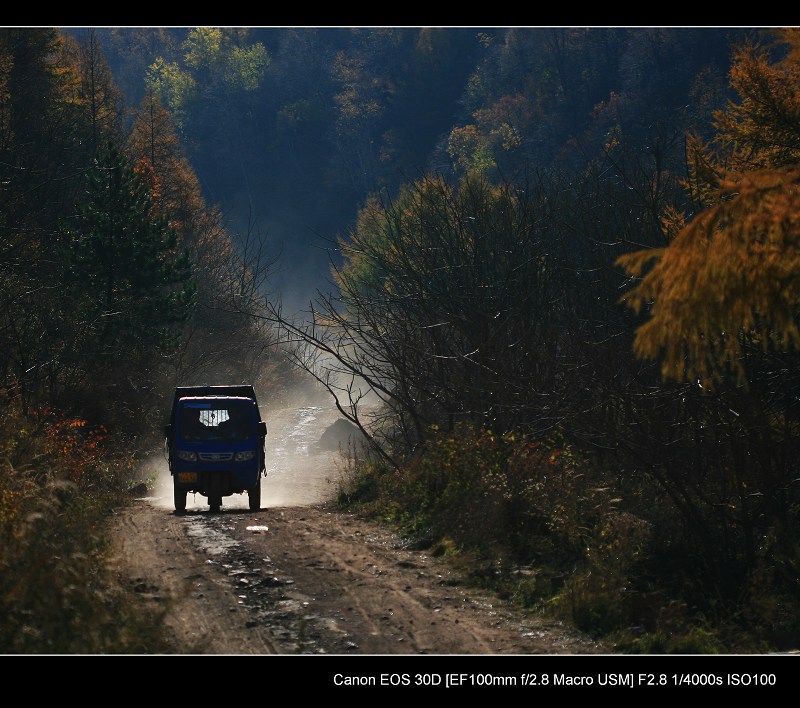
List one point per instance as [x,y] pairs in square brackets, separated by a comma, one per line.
[339,436]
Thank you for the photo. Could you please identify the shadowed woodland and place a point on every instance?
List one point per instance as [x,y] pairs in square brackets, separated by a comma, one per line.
[550,273]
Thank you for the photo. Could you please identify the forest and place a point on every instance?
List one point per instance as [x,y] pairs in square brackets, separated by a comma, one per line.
[550,272]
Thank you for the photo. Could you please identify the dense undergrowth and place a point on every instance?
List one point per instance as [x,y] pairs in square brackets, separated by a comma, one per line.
[61,479]
[558,535]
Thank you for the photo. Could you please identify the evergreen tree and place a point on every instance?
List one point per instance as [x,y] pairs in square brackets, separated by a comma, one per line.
[134,289]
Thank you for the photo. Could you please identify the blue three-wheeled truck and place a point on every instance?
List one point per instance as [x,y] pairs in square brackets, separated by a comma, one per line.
[215,444]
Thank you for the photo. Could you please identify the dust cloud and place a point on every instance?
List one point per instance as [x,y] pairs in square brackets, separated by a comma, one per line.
[299,472]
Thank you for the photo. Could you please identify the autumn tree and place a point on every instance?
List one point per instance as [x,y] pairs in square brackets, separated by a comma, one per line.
[99,100]
[719,308]
[154,143]
[729,278]
[224,336]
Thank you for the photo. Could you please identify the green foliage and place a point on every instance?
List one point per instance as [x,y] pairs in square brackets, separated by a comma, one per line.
[203,47]
[176,88]
[504,496]
[361,485]
[694,640]
[599,596]
[498,129]
[216,67]
[592,609]
[246,66]
[463,278]
[210,49]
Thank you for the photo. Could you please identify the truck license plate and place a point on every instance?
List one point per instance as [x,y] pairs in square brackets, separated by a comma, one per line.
[187,476]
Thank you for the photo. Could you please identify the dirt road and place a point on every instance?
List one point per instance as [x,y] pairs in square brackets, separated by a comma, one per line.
[296,578]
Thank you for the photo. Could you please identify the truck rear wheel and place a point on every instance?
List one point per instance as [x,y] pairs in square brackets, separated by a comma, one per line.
[180,500]
[254,496]
[214,503]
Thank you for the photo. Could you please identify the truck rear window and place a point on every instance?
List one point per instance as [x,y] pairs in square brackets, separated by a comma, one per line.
[204,421]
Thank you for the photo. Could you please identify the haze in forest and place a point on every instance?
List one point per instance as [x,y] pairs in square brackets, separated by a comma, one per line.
[289,130]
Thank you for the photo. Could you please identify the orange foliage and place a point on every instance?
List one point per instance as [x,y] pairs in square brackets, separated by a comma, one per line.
[732,272]
[154,142]
[145,171]
[75,446]
[763,129]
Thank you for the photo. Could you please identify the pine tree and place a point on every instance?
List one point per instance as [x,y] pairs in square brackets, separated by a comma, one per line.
[123,267]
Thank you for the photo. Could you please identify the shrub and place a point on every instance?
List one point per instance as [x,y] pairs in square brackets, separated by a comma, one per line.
[56,595]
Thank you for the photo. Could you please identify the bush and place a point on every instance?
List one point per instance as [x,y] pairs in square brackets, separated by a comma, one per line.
[56,596]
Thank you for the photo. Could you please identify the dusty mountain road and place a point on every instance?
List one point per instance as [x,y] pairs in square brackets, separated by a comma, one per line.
[296,578]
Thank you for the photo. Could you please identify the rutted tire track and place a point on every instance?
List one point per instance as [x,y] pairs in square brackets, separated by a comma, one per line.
[269,598]
[157,556]
[325,583]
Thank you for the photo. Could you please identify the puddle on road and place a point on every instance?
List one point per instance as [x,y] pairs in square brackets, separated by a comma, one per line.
[209,539]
